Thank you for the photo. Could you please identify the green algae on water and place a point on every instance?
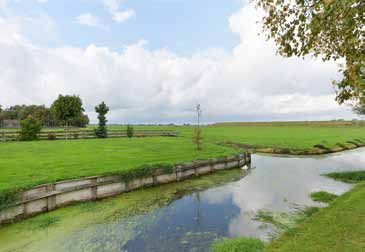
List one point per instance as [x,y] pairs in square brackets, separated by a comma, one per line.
[110,222]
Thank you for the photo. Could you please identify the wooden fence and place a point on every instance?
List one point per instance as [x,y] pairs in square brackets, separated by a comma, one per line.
[6,136]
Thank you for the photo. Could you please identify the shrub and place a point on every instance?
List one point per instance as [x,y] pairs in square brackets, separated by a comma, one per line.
[130,131]
[51,136]
[238,245]
[75,135]
[30,128]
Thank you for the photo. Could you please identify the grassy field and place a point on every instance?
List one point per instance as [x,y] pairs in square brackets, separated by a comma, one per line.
[289,135]
[294,135]
[25,164]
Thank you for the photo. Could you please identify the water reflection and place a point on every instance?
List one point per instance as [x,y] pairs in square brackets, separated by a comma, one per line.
[193,221]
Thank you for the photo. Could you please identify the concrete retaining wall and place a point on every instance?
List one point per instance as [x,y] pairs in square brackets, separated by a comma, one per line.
[48,197]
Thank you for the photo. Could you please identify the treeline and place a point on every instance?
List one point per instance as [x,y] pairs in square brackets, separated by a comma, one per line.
[48,117]
[65,111]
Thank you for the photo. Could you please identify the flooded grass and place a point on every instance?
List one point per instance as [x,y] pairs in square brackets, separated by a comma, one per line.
[284,221]
[323,196]
[348,177]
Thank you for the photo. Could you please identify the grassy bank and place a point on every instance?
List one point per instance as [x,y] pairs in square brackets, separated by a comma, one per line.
[25,164]
[337,228]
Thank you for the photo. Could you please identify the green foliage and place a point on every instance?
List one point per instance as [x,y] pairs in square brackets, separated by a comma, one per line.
[130,131]
[81,121]
[348,177]
[67,108]
[331,29]
[102,109]
[238,245]
[359,110]
[42,114]
[7,198]
[322,196]
[145,171]
[21,112]
[30,128]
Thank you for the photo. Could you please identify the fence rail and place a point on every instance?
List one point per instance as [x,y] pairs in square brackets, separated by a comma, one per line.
[6,136]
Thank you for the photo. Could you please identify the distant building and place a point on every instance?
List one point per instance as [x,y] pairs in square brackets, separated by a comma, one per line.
[13,124]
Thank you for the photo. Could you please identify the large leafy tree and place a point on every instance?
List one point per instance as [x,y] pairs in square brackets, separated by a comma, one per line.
[330,29]
[67,108]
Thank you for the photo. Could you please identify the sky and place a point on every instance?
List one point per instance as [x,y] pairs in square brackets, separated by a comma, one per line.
[154,61]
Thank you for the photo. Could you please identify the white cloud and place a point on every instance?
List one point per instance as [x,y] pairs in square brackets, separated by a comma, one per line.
[3,4]
[42,1]
[89,20]
[118,15]
[249,83]
[121,16]
[111,5]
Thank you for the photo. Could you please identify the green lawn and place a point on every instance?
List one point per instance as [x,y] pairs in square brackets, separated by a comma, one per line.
[25,164]
[299,137]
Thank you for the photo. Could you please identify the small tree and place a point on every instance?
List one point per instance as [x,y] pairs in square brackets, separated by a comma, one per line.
[130,131]
[102,109]
[198,138]
[30,128]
